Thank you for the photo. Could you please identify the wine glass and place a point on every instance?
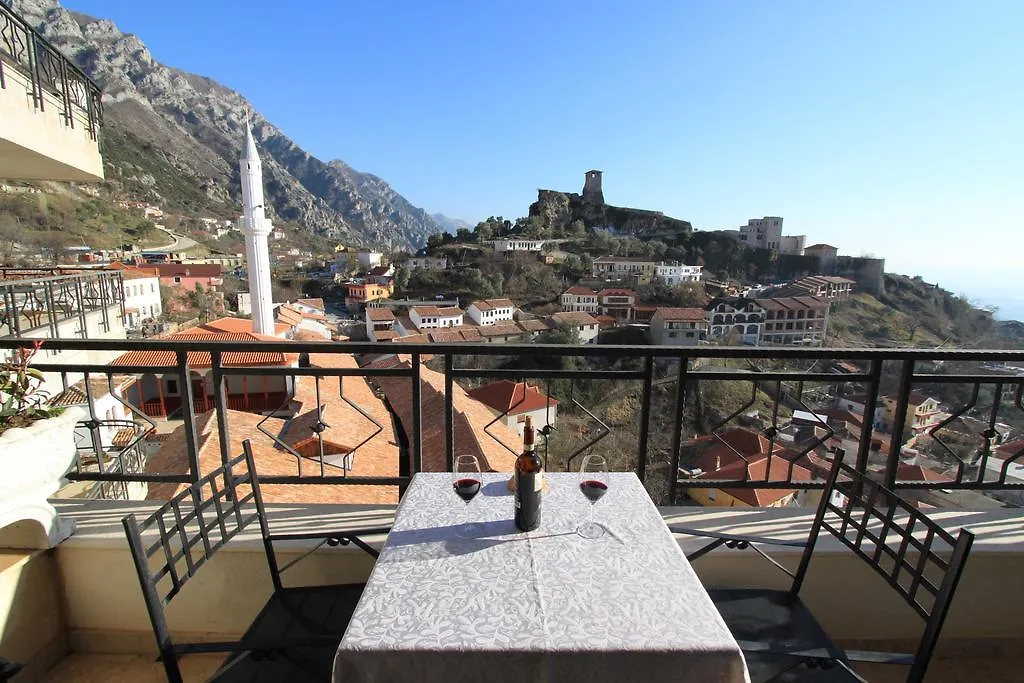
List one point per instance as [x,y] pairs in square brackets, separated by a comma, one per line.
[593,485]
[466,483]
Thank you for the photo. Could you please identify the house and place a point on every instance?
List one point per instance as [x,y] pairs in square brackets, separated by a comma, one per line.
[513,402]
[580,299]
[382,275]
[617,303]
[160,393]
[379,319]
[741,454]
[532,327]
[674,274]
[369,259]
[427,263]
[141,294]
[744,317]
[153,212]
[491,311]
[305,324]
[678,326]
[188,275]
[426,317]
[857,404]
[361,292]
[795,321]
[503,333]
[476,432]
[640,271]
[922,413]
[584,324]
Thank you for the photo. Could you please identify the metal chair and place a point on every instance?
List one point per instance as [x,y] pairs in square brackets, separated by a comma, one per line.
[781,639]
[297,632]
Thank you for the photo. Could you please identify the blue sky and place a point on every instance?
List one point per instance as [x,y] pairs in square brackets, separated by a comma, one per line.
[893,129]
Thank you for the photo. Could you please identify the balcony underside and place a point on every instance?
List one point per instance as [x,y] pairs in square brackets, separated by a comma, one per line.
[21,163]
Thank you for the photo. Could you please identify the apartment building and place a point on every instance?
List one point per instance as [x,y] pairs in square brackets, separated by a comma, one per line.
[617,303]
[580,299]
[794,321]
[491,311]
[745,317]
[673,274]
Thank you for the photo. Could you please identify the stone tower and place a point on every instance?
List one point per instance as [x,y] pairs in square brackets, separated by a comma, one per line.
[256,227]
[592,188]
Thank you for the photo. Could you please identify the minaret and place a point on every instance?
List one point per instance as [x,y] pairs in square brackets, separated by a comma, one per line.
[256,227]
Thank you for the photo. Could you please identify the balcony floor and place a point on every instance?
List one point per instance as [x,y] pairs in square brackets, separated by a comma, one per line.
[102,668]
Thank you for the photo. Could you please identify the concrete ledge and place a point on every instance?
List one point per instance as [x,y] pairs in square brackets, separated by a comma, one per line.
[104,610]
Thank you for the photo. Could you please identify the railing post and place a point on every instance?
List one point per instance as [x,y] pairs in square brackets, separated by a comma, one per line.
[416,452]
[867,427]
[220,404]
[902,401]
[677,429]
[189,418]
[449,411]
[93,424]
[645,417]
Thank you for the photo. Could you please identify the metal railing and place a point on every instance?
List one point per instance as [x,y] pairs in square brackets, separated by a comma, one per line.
[39,306]
[942,423]
[49,71]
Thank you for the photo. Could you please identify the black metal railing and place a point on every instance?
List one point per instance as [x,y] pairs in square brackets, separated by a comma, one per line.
[41,306]
[49,72]
[944,424]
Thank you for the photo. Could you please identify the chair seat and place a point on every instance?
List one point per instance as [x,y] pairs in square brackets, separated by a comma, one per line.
[772,620]
[295,637]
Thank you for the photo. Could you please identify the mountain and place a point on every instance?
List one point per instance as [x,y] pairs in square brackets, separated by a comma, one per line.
[451,225]
[175,138]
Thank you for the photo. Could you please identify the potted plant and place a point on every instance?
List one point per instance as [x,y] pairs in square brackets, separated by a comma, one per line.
[37,447]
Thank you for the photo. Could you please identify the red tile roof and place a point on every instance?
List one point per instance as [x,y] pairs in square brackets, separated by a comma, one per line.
[239,325]
[379,314]
[201,359]
[572,318]
[581,291]
[513,398]
[681,314]
[312,303]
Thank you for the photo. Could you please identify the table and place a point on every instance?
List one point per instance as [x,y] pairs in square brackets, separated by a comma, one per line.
[547,605]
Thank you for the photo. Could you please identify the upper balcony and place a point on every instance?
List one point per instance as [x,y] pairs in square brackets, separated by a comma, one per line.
[50,112]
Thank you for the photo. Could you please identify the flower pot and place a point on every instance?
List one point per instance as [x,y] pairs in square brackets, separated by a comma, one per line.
[33,461]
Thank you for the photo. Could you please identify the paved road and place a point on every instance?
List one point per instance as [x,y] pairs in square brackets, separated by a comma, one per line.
[180,243]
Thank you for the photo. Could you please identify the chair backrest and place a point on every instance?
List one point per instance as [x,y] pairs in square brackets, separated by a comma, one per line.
[919,559]
[190,528]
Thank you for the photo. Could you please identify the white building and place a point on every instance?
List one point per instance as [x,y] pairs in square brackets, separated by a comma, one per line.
[585,325]
[742,316]
[506,246]
[673,274]
[427,263]
[427,317]
[580,299]
[490,311]
[369,259]
[766,233]
[141,295]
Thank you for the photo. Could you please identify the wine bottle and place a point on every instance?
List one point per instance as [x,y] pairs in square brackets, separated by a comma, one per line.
[529,482]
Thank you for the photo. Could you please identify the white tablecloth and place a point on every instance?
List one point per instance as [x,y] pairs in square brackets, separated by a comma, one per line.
[547,605]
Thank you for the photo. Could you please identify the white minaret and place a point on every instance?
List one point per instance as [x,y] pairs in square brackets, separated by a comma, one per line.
[256,227]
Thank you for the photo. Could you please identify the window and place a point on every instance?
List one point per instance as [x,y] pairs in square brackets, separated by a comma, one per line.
[172,386]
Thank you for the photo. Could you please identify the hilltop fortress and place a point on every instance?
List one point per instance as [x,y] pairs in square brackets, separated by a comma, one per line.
[558,210]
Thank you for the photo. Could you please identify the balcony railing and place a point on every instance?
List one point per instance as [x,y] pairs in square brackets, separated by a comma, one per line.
[38,306]
[778,415]
[49,71]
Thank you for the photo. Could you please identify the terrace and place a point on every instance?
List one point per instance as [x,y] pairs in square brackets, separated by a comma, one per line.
[683,401]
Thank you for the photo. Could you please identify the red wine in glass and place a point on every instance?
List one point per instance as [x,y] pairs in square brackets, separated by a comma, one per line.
[593,489]
[467,488]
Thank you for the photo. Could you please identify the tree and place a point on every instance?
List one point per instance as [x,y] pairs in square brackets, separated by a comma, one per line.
[10,232]
[690,295]
[402,276]
[463,235]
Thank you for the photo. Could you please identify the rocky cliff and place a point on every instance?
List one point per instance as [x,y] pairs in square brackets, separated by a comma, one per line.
[557,210]
[174,138]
